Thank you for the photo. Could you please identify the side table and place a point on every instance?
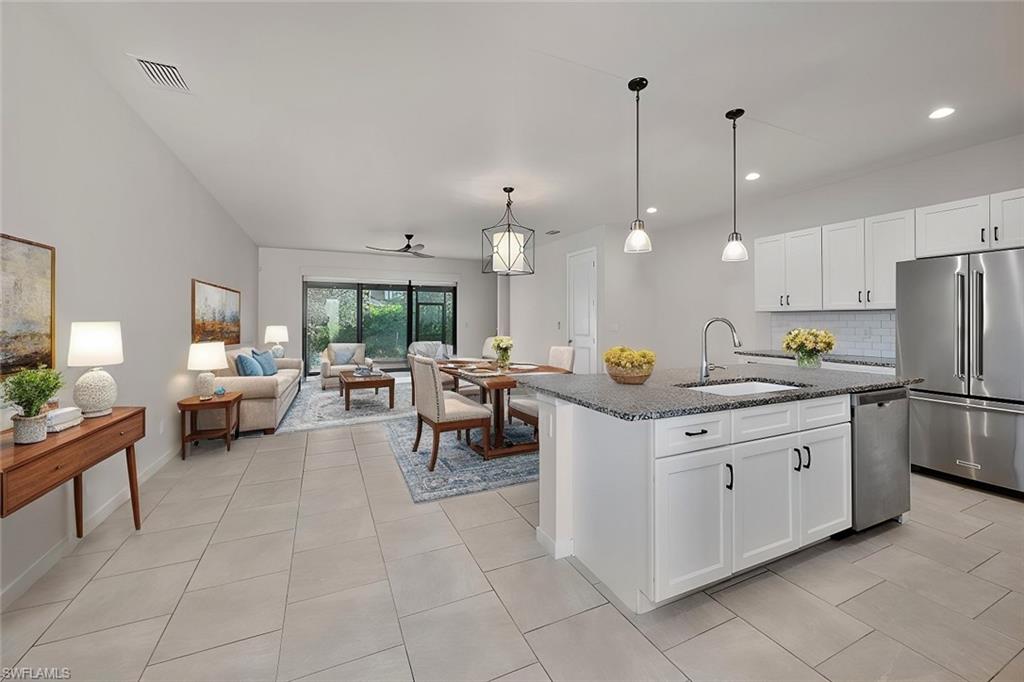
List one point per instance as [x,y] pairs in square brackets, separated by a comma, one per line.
[230,402]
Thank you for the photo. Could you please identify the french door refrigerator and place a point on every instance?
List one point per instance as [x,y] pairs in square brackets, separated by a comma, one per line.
[960,326]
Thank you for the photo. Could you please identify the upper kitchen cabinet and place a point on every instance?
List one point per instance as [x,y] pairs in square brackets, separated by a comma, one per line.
[842,265]
[1006,217]
[888,239]
[953,227]
[787,271]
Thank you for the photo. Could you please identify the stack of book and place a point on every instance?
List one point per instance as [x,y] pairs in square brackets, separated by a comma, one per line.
[63,418]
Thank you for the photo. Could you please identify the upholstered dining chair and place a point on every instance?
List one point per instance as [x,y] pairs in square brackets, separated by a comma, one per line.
[444,410]
[524,407]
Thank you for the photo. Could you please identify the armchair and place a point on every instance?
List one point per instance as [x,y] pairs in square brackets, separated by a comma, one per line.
[331,367]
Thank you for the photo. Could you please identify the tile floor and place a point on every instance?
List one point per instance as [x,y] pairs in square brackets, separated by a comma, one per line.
[296,557]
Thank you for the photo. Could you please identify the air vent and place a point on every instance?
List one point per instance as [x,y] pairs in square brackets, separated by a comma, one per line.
[162,75]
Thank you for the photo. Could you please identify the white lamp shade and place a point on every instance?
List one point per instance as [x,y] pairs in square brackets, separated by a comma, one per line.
[207,356]
[637,241]
[734,252]
[276,333]
[95,344]
[508,252]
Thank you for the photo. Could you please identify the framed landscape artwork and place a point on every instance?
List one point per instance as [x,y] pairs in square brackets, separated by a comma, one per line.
[216,313]
[27,305]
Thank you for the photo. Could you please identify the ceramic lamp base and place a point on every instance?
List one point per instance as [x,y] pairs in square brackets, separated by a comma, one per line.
[277,350]
[95,393]
[204,385]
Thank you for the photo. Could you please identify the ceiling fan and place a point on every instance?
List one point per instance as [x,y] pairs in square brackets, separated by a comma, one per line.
[409,248]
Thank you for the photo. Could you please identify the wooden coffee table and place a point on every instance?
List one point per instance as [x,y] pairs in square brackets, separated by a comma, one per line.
[350,382]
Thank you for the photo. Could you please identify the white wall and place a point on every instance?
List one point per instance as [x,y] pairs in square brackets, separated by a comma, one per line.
[282,272]
[132,226]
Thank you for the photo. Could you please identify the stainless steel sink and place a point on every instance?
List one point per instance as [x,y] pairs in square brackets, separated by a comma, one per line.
[743,388]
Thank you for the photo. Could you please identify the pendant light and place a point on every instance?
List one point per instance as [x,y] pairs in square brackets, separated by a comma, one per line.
[508,247]
[734,251]
[638,241]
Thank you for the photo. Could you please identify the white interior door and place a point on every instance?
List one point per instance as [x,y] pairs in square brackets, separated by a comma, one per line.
[581,324]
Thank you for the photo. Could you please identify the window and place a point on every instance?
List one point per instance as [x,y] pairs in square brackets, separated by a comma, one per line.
[386,317]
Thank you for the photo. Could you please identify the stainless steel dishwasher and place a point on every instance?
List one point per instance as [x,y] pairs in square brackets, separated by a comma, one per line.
[881,457]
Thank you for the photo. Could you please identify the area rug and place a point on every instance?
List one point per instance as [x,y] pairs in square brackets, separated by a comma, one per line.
[314,408]
[459,469]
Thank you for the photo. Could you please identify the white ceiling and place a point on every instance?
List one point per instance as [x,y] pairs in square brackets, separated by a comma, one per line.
[330,126]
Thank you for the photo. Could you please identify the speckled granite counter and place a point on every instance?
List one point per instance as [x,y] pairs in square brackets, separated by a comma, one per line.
[660,397]
[843,359]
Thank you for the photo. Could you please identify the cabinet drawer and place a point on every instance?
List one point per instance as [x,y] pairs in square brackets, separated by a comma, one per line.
[692,432]
[113,438]
[824,411]
[27,482]
[751,423]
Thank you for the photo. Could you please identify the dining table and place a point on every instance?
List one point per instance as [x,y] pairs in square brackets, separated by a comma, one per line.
[495,382]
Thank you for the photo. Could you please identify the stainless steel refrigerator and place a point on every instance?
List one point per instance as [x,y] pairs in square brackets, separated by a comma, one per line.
[960,326]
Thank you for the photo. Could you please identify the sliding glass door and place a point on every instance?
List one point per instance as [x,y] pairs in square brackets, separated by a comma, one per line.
[386,317]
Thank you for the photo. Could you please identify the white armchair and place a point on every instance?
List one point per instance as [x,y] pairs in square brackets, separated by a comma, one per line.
[341,357]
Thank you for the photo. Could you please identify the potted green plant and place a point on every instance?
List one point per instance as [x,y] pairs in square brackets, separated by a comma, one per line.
[29,389]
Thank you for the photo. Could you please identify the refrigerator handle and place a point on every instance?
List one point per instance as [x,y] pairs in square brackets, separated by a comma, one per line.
[978,325]
[959,369]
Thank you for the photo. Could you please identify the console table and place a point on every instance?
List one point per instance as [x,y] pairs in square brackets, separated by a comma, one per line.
[27,472]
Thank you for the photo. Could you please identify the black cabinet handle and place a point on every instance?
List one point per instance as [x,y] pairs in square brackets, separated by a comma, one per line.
[799,459]
[787,299]
[808,450]
[859,299]
[995,232]
[728,486]
[983,235]
[869,295]
[780,299]
[696,433]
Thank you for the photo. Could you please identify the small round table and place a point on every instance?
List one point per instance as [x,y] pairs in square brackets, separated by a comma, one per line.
[192,406]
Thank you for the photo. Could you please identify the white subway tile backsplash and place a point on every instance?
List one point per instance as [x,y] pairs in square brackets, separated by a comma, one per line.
[869,332]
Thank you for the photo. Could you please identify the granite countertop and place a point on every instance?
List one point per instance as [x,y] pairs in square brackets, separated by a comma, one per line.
[844,359]
[660,397]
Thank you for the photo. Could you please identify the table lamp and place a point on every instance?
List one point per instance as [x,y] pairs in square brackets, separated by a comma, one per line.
[276,334]
[94,344]
[204,357]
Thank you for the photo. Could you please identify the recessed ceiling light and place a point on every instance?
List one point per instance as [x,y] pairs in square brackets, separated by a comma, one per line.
[753,175]
[553,232]
[941,112]
[652,209]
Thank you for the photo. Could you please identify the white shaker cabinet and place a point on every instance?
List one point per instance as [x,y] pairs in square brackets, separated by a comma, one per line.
[953,227]
[825,484]
[888,239]
[803,269]
[1006,219]
[843,265]
[765,500]
[770,273]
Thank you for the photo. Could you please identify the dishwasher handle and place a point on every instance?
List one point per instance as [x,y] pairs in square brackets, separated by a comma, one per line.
[879,397]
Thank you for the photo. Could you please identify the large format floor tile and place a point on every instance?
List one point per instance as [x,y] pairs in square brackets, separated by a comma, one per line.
[466,511]
[111,655]
[200,487]
[877,657]
[1001,537]
[120,599]
[334,568]
[531,673]
[523,493]
[246,523]
[945,548]
[227,562]
[339,627]
[423,581]
[825,574]
[1003,569]
[169,515]
[503,543]
[252,660]
[150,550]
[807,626]
[223,614]
[542,591]
[331,528]
[265,494]
[681,620]
[471,639]
[266,471]
[1001,510]
[736,652]
[416,535]
[599,644]
[965,646]
[391,665]
[62,582]
[953,522]
[22,628]
[392,505]
[1006,615]
[1013,672]
[349,496]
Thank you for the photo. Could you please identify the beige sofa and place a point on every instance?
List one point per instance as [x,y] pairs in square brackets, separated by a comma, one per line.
[264,399]
[331,370]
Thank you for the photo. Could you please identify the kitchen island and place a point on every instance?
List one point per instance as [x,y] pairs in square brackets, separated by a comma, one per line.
[667,487]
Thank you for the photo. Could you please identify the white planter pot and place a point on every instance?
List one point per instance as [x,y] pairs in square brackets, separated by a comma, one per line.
[29,429]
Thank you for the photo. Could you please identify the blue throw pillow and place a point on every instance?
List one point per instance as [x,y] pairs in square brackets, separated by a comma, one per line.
[266,360]
[343,356]
[247,367]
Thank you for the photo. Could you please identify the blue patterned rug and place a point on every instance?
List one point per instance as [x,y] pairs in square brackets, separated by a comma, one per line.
[314,408]
[459,469]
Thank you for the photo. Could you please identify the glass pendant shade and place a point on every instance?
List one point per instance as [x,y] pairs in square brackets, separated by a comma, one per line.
[734,250]
[637,241]
[508,247]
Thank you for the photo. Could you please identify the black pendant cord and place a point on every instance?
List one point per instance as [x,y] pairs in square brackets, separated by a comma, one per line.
[734,176]
[638,155]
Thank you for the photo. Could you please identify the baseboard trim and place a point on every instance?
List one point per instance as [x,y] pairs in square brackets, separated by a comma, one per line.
[30,575]
[556,549]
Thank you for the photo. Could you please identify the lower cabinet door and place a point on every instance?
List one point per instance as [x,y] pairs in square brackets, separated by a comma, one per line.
[825,484]
[692,521]
[766,500]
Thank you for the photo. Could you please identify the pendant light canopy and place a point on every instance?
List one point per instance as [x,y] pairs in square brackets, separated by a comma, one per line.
[638,241]
[734,250]
[508,247]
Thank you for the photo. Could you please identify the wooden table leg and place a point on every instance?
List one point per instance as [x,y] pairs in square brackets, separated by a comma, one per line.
[348,398]
[227,426]
[133,485]
[184,435]
[498,403]
[391,395]
[238,419]
[78,505]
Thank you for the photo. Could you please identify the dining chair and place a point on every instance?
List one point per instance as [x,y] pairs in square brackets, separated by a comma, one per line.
[445,410]
[447,382]
[524,407]
[487,352]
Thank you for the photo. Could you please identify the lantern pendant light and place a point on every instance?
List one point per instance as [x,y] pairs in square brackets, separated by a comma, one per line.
[638,241]
[508,247]
[734,251]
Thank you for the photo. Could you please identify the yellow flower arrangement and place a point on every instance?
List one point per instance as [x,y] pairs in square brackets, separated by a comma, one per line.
[625,357]
[808,344]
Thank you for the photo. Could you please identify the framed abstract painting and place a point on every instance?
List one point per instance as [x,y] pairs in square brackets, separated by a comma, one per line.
[216,313]
[27,305]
